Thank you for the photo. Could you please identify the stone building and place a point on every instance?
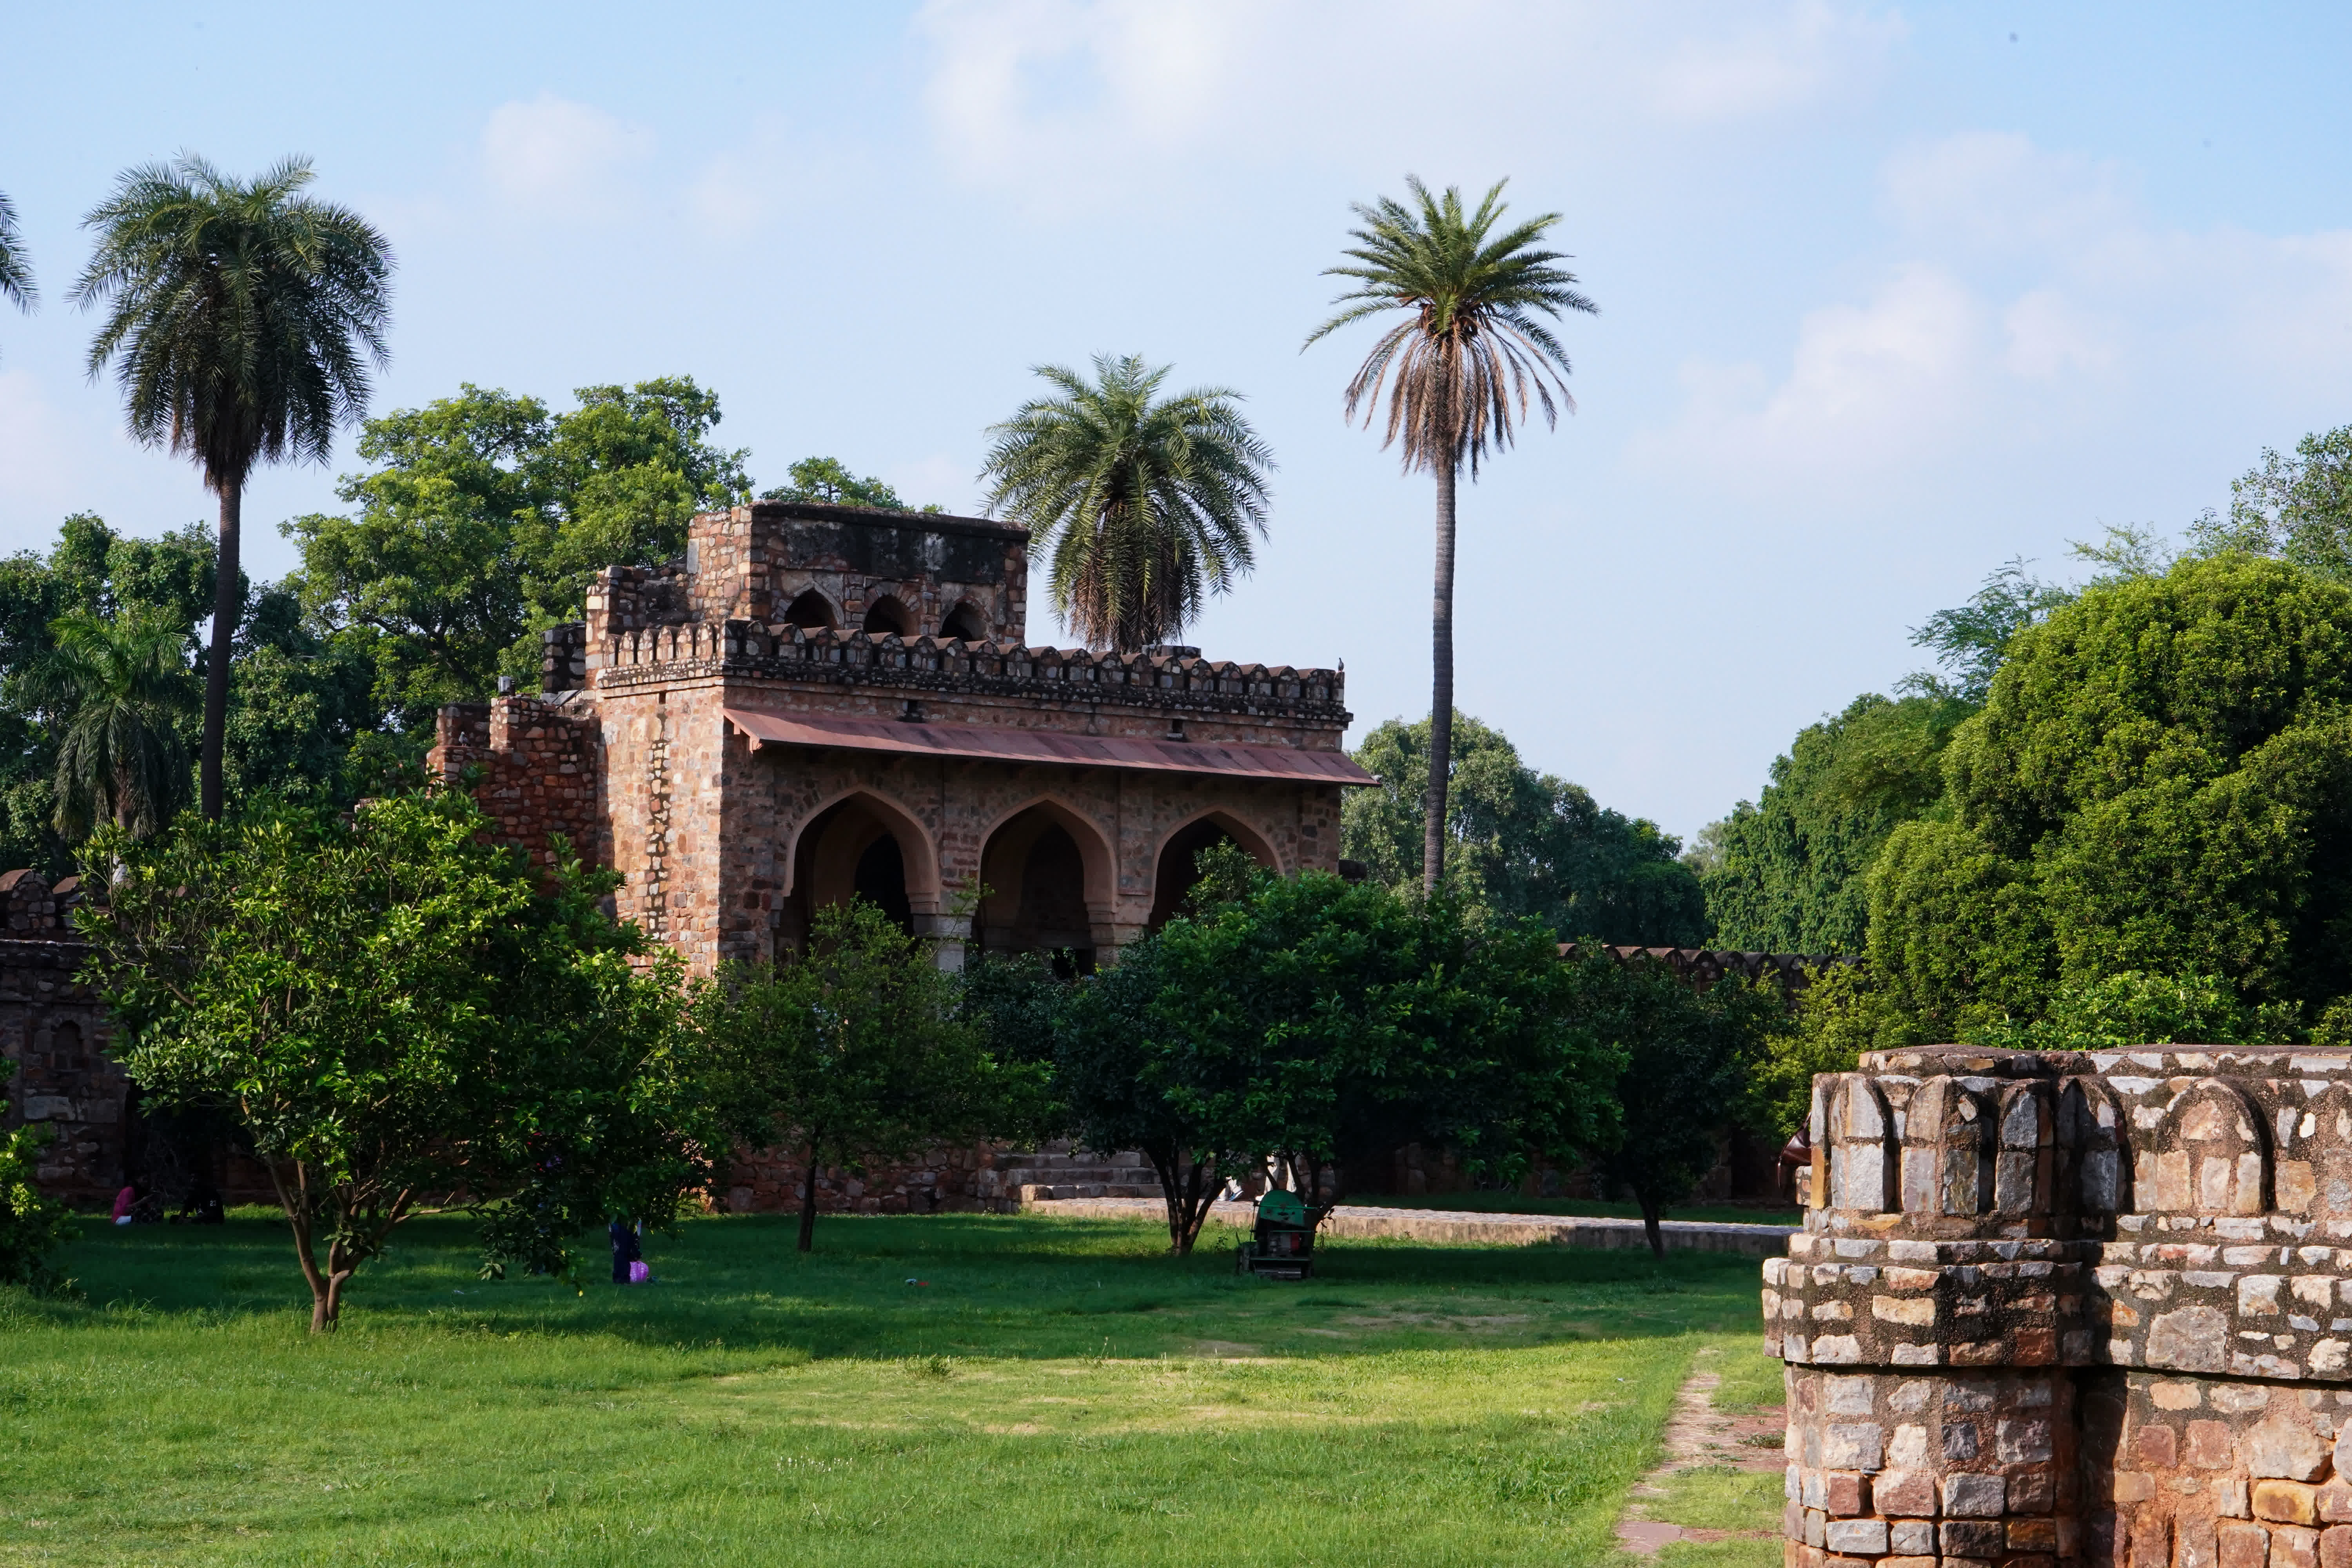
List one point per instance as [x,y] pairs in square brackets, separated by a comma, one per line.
[815,702]
[2060,1308]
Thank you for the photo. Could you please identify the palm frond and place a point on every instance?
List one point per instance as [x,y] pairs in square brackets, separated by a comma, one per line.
[117,688]
[15,267]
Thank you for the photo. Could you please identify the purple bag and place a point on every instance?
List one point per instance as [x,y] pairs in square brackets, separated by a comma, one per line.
[640,1273]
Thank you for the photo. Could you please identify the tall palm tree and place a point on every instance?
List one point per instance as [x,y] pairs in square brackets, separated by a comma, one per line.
[241,316]
[1463,361]
[15,270]
[1144,505]
[119,687]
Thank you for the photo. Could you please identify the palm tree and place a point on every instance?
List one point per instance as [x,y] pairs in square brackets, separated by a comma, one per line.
[1144,505]
[1463,363]
[121,686]
[241,316]
[16,271]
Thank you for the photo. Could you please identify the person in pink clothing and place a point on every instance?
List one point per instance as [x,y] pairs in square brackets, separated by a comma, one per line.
[123,1201]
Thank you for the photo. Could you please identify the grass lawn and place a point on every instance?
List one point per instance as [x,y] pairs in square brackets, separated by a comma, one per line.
[1054,1392]
[1518,1203]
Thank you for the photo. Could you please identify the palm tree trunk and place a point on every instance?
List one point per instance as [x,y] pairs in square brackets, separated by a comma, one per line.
[226,603]
[1441,692]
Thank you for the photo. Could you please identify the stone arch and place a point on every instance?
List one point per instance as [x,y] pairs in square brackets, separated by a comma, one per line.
[2022,1175]
[964,621]
[918,855]
[813,611]
[2211,1157]
[1173,873]
[1862,1147]
[1052,881]
[2091,1132]
[1947,1150]
[2319,1181]
[888,616]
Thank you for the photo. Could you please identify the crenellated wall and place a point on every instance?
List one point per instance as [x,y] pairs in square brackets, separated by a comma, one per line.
[2049,1307]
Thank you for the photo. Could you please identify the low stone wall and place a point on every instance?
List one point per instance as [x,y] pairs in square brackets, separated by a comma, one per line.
[2053,1308]
[769,1180]
[1445,1228]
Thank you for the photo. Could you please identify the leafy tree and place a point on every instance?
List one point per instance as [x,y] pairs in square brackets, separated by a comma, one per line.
[2136,1008]
[484,515]
[826,482]
[33,1226]
[852,1049]
[241,316]
[1475,343]
[1686,1056]
[402,1019]
[1520,843]
[125,683]
[2297,510]
[2158,782]
[1143,505]
[15,267]
[1842,1013]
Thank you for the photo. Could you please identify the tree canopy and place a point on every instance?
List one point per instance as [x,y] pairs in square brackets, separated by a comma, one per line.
[1521,843]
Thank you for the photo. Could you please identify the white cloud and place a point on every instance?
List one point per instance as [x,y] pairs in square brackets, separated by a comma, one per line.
[1810,51]
[552,157]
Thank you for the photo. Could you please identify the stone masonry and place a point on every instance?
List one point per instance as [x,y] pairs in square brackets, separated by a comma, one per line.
[2053,1308]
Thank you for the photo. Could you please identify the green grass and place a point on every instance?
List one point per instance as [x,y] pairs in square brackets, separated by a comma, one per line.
[1055,1391]
[1519,1203]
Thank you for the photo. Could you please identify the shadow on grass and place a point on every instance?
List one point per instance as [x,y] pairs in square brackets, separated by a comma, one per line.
[1017,1285]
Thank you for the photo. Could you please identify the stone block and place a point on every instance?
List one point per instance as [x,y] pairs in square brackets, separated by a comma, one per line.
[2287,1447]
[2336,1546]
[2132,1486]
[1856,1536]
[2336,1496]
[1846,1494]
[2157,1447]
[2021,1442]
[1970,1538]
[2287,1503]
[1853,1447]
[1969,1495]
[1916,1537]
[1905,1492]
[2245,1545]
[2208,1446]
[2033,1535]
[2292,1546]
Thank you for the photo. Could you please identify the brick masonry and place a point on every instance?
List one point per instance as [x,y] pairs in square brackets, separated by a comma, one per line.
[2057,1308]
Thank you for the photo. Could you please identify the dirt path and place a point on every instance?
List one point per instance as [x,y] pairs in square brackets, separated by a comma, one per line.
[1696,1435]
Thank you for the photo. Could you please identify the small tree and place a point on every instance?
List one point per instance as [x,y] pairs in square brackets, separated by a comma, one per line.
[853,1050]
[402,1018]
[33,1226]
[1687,1058]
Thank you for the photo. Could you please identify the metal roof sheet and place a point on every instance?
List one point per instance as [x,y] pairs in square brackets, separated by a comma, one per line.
[985,743]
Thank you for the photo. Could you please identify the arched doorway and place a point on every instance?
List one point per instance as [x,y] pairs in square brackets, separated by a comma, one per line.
[1179,868]
[964,621]
[855,848]
[1043,895]
[812,612]
[885,616]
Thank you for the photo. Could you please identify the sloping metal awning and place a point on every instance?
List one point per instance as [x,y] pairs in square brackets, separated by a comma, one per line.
[982,744]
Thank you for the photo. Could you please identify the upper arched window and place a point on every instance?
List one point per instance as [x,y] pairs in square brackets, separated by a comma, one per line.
[964,621]
[812,610]
[885,616]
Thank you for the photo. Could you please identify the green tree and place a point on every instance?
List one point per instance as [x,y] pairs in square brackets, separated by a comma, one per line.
[852,1049]
[33,1225]
[824,481]
[15,267]
[2158,782]
[2297,508]
[1520,843]
[240,317]
[1458,371]
[1142,505]
[483,518]
[123,684]
[402,1019]
[1688,1055]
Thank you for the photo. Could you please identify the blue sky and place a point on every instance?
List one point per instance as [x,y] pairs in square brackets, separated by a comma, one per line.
[1889,294]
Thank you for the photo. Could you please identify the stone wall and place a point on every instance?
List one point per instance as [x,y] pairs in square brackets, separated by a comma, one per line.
[2056,1308]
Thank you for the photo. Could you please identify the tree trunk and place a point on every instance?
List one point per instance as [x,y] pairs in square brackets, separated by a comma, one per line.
[1441,687]
[808,1202]
[226,603]
[1650,1213]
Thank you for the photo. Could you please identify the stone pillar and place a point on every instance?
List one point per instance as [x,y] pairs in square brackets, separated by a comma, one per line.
[2055,1309]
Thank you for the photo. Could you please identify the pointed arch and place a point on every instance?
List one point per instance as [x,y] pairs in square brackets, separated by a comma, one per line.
[1173,874]
[888,616]
[1862,1148]
[2210,1155]
[1947,1149]
[1095,851]
[919,854]
[964,623]
[2090,1130]
[813,611]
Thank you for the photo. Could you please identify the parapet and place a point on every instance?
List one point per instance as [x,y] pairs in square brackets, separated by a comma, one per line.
[1703,966]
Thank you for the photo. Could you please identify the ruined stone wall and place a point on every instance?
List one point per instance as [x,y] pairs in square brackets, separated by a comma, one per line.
[2057,1308]
[540,766]
[752,561]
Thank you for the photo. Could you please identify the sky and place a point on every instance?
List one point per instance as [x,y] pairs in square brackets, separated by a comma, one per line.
[1889,295]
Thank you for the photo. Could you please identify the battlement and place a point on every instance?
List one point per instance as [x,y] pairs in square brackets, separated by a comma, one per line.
[666,652]
[1703,966]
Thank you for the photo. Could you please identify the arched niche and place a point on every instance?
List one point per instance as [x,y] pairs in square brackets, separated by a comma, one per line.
[1862,1147]
[860,845]
[1948,1146]
[2091,1134]
[2023,1173]
[2317,1180]
[1176,869]
[2209,1156]
[813,612]
[1051,881]
[964,621]
[888,616]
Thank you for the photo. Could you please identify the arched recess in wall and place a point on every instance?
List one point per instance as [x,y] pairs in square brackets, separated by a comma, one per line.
[964,621]
[1176,870]
[2210,1155]
[811,611]
[1947,1167]
[859,845]
[887,616]
[2091,1134]
[1051,879]
[1862,1148]
[2318,1180]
